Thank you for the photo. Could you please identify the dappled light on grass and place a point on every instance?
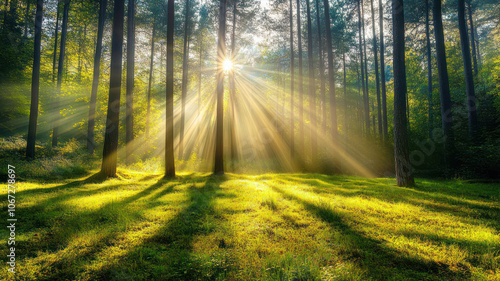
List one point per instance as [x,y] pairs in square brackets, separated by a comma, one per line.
[265,227]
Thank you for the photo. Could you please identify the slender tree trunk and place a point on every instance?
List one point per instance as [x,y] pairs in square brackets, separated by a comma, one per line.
[292,83]
[331,75]
[56,33]
[109,158]
[95,81]
[429,67]
[444,85]
[35,82]
[129,114]
[199,82]
[377,79]
[382,72]
[312,86]
[300,142]
[365,53]
[404,173]
[221,55]
[55,131]
[473,40]
[185,71]
[169,96]
[345,94]
[321,68]
[469,78]
[233,86]
[365,92]
[148,111]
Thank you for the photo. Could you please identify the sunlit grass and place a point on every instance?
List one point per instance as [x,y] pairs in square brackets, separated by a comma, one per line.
[268,227]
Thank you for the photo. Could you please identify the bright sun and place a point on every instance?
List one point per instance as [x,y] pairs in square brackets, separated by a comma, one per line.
[227,65]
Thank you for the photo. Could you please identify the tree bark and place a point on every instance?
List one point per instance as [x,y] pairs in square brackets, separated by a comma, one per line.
[312,86]
[185,71]
[151,69]
[292,72]
[55,131]
[377,78]
[232,90]
[365,53]
[129,114]
[321,69]
[429,67]
[169,95]
[473,40]
[469,78]
[109,158]
[221,55]
[404,173]
[363,86]
[56,33]
[331,75]
[35,82]
[300,142]
[444,84]
[95,81]
[382,73]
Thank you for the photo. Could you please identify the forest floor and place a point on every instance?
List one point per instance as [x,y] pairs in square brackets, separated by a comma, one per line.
[139,226]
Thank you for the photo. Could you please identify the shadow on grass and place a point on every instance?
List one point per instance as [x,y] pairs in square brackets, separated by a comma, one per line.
[379,261]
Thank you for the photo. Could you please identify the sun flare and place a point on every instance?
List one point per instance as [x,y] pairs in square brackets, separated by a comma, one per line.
[227,65]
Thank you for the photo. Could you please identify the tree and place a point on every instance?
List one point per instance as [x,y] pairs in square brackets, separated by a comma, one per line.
[382,72]
[469,79]
[109,157]
[169,119]
[232,84]
[150,81]
[62,50]
[35,82]
[429,66]
[292,84]
[185,70]
[404,173]
[221,54]
[473,40]
[95,81]
[377,81]
[301,84]
[129,113]
[331,75]
[312,88]
[321,68]
[365,94]
[366,97]
[444,84]
[56,32]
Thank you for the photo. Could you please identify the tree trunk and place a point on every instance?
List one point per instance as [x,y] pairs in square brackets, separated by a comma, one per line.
[469,78]
[221,55]
[185,65]
[345,94]
[404,173]
[169,95]
[365,53]
[113,117]
[56,33]
[232,90]
[382,72]
[35,82]
[27,19]
[148,111]
[473,40]
[444,85]
[55,131]
[95,81]
[312,86]
[429,67]
[363,86]
[292,72]
[129,114]
[331,75]
[377,79]
[300,142]
[321,69]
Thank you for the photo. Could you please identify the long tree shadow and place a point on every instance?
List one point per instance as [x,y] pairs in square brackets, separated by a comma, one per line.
[379,261]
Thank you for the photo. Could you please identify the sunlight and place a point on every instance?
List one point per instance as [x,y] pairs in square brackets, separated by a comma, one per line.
[227,65]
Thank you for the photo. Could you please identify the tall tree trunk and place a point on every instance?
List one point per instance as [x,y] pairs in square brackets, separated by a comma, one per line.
[199,82]
[404,173]
[95,81]
[469,78]
[185,71]
[365,92]
[365,53]
[129,113]
[345,94]
[300,142]
[169,95]
[312,86]
[292,83]
[221,55]
[429,67]
[35,82]
[232,90]
[115,76]
[55,131]
[148,111]
[331,75]
[473,40]
[444,84]
[321,68]
[382,72]
[56,33]
[377,79]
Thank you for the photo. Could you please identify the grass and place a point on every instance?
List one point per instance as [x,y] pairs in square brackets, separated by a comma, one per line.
[267,227]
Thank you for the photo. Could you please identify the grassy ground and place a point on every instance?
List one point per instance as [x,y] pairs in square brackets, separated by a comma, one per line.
[267,227]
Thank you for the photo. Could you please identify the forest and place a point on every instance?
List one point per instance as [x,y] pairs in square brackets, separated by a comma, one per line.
[250,139]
